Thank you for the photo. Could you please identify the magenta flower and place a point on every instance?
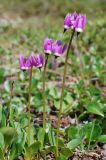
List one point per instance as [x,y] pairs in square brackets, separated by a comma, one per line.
[58,49]
[24,63]
[36,60]
[80,23]
[47,46]
[69,20]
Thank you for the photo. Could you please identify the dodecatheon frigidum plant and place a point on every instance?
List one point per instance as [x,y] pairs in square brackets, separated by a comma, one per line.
[47,48]
[47,45]
[75,22]
[58,49]
[27,64]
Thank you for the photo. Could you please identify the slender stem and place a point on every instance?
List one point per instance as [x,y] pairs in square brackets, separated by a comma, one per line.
[62,91]
[29,106]
[44,97]
[93,125]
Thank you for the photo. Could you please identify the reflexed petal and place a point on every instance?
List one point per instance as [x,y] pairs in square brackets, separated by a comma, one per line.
[58,49]
[64,48]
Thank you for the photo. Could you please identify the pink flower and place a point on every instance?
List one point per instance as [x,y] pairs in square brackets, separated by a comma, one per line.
[47,46]
[36,60]
[80,23]
[24,63]
[70,20]
[75,21]
[58,49]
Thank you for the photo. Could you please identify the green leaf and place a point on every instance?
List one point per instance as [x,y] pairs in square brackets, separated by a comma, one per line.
[102,138]
[61,158]
[1,141]
[2,75]
[37,99]
[3,120]
[0,113]
[66,107]
[61,142]
[72,132]
[49,150]
[32,150]
[66,152]
[8,133]
[18,144]
[95,133]
[51,136]
[32,134]
[95,108]
[73,143]
[53,92]
[41,136]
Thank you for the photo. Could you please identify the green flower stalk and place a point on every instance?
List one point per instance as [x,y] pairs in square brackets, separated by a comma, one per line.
[29,105]
[44,96]
[62,91]
[27,64]
[47,47]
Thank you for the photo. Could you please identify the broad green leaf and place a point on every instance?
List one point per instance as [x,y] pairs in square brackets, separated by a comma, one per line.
[102,138]
[72,132]
[18,145]
[66,152]
[24,122]
[32,150]
[73,143]
[61,142]
[95,132]
[8,133]
[68,98]
[66,107]
[95,108]
[51,136]
[41,136]
[32,134]
[3,120]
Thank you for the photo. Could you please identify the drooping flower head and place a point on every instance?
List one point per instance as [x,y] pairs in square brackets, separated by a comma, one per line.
[70,20]
[75,21]
[57,48]
[80,23]
[24,63]
[36,60]
[47,46]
